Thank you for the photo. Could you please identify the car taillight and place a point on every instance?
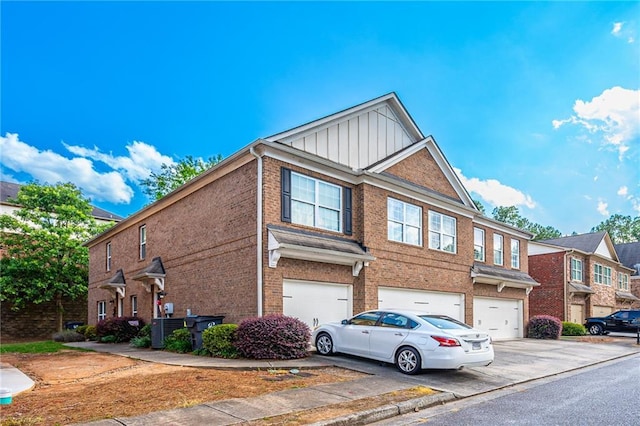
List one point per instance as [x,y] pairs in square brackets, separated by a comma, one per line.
[446,341]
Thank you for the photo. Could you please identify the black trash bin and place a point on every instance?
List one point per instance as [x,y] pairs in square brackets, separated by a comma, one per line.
[163,327]
[199,323]
[72,325]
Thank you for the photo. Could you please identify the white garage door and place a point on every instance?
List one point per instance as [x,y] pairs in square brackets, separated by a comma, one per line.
[602,311]
[501,318]
[450,304]
[316,303]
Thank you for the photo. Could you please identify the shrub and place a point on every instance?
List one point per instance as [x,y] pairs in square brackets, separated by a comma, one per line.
[143,339]
[544,327]
[108,339]
[81,329]
[219,340]
[122,328]
[91,332]
[68,336]
[573,329]
[178,341]
[272,337]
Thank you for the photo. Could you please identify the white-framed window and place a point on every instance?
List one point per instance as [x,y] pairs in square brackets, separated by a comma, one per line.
[498,249]
[576,269]
[109,256]
[442,232]
[143,242]
[623,281]
[606,275]
[316,203]
[515,254]
[478,244]
[598,276]
[404,222]
[134,306]
[102,310]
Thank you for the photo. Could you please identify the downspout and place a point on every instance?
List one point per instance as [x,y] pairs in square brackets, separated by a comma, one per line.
[259,230]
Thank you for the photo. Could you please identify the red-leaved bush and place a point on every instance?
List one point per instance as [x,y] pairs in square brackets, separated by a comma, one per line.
[544,327]
[272,337]
[122,329]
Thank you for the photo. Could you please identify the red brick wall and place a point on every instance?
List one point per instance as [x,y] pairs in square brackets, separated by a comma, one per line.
[38,321]
[549,297]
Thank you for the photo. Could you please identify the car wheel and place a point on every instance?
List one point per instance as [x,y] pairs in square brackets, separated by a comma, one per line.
[408,361]
[324,344]
[596,329]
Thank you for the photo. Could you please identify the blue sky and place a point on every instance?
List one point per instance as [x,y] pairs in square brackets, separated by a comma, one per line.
[534,104]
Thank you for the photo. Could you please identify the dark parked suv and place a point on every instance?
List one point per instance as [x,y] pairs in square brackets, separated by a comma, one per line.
[624,321]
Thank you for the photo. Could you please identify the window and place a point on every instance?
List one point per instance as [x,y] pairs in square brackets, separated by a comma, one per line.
[134,306]
[498,249]
[108,256]
[315,203]
[515,254]
[404,222]
[367,318]
[442,232]
[478,244]
[623,281]
[576,269]
[143,242]
[102,310]
[606,275]
[597,274]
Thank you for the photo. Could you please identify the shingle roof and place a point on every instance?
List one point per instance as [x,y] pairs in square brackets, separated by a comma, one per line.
[9,190]
[629,255]
[587,243]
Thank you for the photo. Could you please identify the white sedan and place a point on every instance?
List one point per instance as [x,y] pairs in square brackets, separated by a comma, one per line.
[412,340]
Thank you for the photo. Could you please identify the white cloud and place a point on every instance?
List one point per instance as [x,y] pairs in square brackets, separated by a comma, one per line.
[621,30]
[50,167]
[602,208]
[613,115]
[496,193]
[623,191]
[617,26]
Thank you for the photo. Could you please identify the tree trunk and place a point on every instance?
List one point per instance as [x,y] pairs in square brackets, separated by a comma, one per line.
[59,310]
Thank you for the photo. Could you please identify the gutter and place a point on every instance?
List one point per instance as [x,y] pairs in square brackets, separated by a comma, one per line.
[259,231]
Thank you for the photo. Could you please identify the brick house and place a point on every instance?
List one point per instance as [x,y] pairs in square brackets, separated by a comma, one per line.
[629,255]
[354,211]
[40,321]
[580,276]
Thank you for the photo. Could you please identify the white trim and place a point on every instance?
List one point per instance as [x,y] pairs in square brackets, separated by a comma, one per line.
[259,283]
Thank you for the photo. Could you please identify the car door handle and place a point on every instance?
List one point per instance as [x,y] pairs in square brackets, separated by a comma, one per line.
[365,332]
[398,334]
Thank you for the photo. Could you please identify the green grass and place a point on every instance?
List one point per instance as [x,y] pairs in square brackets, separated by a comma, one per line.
[44,347]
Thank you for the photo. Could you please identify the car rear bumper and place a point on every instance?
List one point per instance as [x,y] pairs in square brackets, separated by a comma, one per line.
[455,358]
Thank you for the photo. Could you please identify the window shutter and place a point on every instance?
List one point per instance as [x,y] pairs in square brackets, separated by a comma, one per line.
[285,184]
[347,222]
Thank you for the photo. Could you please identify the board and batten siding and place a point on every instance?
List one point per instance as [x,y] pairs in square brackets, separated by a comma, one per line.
[358,141]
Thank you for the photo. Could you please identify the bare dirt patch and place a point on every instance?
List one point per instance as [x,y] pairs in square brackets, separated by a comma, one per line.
[73,387]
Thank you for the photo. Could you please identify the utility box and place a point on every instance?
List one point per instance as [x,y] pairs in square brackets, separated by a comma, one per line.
[163,327]
[198,324]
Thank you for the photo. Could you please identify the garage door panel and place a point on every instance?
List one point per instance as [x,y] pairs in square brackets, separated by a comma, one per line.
[501,318]
[450,304]
[316,303]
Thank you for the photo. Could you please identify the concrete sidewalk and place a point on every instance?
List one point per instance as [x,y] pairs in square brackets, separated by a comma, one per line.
[516,362]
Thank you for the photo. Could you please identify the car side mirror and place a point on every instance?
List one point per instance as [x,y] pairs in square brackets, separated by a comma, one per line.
[344,322]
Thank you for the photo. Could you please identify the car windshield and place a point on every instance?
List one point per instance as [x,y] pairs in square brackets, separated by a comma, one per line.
[444,323]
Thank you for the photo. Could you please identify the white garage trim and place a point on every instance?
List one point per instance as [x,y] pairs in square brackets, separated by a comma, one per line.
[501,318]
[433,302]
[316,303]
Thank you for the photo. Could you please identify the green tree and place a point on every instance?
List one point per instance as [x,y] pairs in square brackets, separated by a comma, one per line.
[511,215]
[480,206]
[43,257]
[621,229]
[172,176]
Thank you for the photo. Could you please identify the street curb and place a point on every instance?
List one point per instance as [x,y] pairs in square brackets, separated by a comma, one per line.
[388,411]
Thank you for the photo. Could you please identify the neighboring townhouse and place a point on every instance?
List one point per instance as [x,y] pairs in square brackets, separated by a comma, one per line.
[354,211]
[40,320]
[629,255]
[580,276]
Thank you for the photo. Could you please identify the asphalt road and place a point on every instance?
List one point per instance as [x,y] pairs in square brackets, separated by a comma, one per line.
[604,394]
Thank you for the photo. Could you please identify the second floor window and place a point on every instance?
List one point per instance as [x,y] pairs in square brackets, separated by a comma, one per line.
[597,274]
[606,275]
[315,203]
[478,244]
[404,222]
[498,249]
[102,310]
[623,281]
[108,256]
[143,242]
[576,269]
[442,232]
[515,254]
